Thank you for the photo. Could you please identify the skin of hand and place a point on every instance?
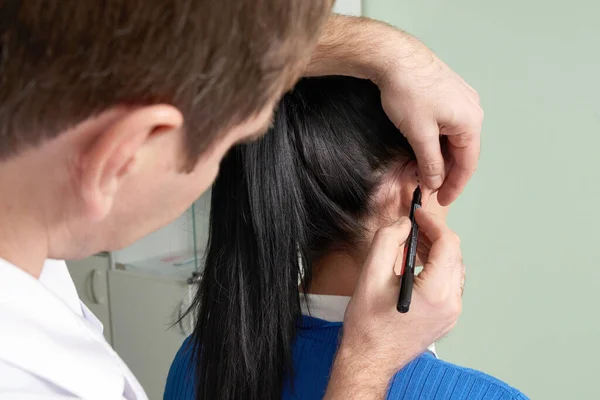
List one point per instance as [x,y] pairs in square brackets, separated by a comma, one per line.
[377,340]
[424,98]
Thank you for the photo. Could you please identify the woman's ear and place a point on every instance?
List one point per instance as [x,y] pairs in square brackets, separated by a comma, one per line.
[411,181]
[114,154]
[394,195]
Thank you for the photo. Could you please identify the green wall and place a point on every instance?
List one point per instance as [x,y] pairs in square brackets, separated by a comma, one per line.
[529,219]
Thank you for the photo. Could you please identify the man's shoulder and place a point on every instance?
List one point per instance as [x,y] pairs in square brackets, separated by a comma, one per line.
[429,378]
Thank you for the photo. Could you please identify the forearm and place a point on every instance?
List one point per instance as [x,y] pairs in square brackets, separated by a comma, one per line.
[356,375]
[361,47]
[354,379]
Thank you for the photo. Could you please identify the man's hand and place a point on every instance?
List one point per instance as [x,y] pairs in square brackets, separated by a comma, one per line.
[421,95]
[377,340]
[425,99]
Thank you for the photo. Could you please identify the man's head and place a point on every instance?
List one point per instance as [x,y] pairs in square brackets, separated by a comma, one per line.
[122,109]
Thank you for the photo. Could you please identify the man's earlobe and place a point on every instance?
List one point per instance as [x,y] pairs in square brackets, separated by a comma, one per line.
[114,154]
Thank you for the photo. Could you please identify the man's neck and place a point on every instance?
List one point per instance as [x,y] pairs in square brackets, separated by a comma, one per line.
[22,245]
[23,238]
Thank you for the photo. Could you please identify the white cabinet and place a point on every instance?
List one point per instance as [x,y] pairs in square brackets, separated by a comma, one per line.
[139,308]
[91,281]
[144,307]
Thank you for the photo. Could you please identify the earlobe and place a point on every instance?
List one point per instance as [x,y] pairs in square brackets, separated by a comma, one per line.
[114,153]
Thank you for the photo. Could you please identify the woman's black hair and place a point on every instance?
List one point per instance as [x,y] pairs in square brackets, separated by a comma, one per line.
[276,205]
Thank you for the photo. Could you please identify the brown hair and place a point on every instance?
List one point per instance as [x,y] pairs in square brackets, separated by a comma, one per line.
[218,61]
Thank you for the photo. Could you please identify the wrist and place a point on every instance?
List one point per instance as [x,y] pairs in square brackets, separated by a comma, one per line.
[390,50]
[399,59]
[361,47]
[360,373]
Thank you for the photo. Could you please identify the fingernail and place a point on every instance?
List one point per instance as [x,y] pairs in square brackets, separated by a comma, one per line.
[435,181]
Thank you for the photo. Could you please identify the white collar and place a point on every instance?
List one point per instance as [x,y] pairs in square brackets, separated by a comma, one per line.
[331,308]
[43,332]
[55,276]
[324,306]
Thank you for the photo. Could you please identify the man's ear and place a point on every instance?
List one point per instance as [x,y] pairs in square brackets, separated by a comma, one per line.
[114,153]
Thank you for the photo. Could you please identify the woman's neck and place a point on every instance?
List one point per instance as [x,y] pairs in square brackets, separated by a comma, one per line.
[335,273]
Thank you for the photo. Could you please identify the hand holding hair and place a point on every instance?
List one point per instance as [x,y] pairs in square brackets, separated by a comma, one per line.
[420,94]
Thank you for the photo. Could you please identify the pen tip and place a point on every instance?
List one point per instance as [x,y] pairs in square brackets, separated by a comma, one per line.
[402,308]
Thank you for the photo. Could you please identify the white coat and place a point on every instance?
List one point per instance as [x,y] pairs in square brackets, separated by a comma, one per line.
[51,345]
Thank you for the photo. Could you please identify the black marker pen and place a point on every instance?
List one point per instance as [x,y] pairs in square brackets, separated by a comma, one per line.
[410,257]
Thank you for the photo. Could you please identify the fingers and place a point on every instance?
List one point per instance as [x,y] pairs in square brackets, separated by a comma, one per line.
[464,150]
[445,245]
[424,138]
[441,281]
[378,271]
[423,248]
[430,226]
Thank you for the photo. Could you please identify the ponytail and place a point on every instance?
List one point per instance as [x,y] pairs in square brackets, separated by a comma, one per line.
[248,298]
[276,204]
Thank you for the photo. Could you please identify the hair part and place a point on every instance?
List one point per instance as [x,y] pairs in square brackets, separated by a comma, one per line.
[276,205]
[218,62]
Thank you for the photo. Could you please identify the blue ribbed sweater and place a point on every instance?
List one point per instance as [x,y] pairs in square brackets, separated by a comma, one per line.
[425,378]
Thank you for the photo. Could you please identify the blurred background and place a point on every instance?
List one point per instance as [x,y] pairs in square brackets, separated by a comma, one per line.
[527,220]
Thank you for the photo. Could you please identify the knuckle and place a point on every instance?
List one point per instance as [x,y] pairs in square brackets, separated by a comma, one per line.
[471,116]
[463,139]
[476,117]
[431,167]
[449,300]
[451,303]
[439,300]
[452,242]
[455,309]
[454,239]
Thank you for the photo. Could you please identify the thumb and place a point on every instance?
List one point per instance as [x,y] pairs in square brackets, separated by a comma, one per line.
[444,254]
[423,134]
[378,271]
